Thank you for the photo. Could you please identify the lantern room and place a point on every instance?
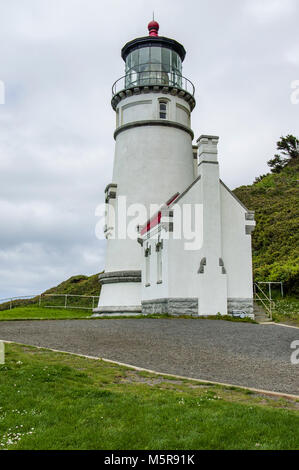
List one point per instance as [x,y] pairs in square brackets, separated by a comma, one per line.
[153,61]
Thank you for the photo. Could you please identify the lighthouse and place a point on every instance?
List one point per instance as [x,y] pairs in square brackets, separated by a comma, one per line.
[153,157]
[190,252]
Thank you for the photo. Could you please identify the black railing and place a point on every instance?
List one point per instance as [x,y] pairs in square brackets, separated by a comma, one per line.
[152,78]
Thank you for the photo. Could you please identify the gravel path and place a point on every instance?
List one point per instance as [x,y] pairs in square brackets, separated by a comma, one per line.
[237,353]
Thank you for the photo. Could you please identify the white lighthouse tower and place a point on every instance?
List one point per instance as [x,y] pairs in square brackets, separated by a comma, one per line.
[157,168]
[154,157]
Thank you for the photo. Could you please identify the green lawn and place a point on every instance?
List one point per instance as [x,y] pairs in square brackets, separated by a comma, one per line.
[34,312]
[286,311]
[59,401]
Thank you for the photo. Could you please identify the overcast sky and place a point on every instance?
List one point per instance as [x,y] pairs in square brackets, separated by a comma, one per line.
[58,60]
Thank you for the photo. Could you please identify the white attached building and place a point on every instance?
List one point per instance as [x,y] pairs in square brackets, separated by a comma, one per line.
[196,249]
[155,161]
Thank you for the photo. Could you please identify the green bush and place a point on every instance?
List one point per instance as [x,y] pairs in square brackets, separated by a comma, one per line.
[275,241]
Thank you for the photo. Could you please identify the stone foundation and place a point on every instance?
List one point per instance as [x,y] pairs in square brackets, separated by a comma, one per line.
[240,305]
[125,310]
[170,306]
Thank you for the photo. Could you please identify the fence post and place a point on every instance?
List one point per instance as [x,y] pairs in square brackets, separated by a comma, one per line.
[10,305]
[40,300]
[65,301]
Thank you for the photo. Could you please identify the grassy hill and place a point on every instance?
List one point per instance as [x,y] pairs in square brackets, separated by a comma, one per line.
[80,285]
[275,240]
[76,285]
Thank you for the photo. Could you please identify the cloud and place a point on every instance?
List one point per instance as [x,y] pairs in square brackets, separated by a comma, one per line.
[266,11]
[292,56]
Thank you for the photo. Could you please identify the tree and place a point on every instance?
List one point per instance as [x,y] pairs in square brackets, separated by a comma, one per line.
[289,150]
[259,178]
[277,163]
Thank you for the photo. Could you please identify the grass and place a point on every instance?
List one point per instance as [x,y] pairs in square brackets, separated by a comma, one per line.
[34,312]
[52,400]
[287,311]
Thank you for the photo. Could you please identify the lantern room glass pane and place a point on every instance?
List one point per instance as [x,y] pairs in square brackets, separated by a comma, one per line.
[155,58]
[155,54]
[166,59]
[135,60]
[128,62]
[174,61]
[153,66]
[144,56]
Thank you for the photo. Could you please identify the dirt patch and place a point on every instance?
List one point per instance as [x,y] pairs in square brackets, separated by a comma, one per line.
[136,377]
[133,377]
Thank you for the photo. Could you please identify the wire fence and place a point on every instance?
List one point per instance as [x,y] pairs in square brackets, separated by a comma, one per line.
[72,301]
[20,300]
[85,302]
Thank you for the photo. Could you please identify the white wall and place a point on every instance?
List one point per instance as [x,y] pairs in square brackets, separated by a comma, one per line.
[180,278]
[154,290]
[140,109]
[180,266]
[123,294]
[146,107]
[236,247]
[183,264]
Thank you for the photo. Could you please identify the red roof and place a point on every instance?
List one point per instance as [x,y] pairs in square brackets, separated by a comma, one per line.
[156,219]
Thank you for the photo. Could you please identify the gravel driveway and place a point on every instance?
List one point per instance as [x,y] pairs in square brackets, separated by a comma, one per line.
[237,353]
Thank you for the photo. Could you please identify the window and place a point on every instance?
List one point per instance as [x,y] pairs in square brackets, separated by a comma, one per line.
[156,58]
[163,109]
[159,267]
[143,58]
[153,66]
[147,254]
[159,247]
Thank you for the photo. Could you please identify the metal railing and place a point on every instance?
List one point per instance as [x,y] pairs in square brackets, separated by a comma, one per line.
[66,301]
[10,300]
[261,296]
[152,78]
[270,284]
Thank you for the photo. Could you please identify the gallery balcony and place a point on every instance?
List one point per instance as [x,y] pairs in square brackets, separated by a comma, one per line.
[135,83]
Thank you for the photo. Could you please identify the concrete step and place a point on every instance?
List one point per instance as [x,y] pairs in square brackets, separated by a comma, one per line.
[260,314]
[263,320]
